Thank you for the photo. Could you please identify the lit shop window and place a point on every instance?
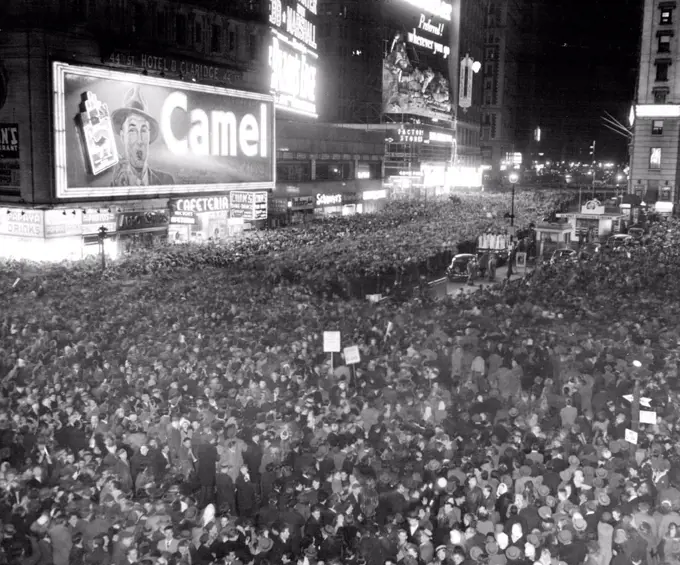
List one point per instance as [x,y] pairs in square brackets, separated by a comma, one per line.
[655,158]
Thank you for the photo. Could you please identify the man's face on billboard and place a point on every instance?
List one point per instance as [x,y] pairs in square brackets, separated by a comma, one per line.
[136,134]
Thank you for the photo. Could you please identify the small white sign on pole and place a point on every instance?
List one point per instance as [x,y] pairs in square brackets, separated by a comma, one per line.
[648,417]
[331,342]
[352,356]
[631,437]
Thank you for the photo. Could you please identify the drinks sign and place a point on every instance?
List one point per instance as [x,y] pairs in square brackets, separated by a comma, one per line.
[119,134]
[248,205]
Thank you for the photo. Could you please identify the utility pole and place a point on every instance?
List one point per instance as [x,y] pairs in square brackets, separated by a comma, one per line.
[635,406]
[592,152]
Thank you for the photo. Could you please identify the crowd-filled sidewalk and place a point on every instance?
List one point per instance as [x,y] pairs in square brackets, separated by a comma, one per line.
[192,416]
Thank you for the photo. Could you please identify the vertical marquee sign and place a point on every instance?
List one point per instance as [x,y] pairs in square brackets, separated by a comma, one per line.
[293,55]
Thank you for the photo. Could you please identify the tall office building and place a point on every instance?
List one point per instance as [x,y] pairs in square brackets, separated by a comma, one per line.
[503,54]
[654,160]
[471,48]
[411,70]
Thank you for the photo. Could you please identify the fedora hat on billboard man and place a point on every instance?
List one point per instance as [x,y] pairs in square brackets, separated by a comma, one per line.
[137,130]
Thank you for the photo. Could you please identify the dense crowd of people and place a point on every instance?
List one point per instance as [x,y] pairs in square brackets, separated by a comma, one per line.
[193,417]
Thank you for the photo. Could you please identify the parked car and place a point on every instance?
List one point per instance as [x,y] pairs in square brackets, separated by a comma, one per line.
[561,255]
[636,233]
[620,241]
[457,270]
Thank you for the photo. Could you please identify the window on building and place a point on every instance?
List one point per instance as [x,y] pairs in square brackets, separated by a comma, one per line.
[655,158]
[139,18]
[252,45]
[660,95]
[79,10]
[293,172]
[664,45]
[333,171]
[216,39]
[657,127]
[231,39]
[198,33]
[181,29]
[161,28]
[666,16]
[665,194]
[662,71]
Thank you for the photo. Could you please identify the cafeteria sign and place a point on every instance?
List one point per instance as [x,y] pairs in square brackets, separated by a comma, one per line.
[248,205]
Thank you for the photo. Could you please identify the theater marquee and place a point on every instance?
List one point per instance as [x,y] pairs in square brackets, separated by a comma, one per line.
[128,135]
[293,58]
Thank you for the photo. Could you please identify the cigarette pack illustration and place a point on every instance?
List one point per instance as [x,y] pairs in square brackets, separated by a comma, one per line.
[97,133]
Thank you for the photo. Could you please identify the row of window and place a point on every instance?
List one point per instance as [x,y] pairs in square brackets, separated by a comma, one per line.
[664,42]
[337,170]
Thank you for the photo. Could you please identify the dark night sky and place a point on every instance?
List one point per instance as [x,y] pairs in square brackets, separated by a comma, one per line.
[587,65]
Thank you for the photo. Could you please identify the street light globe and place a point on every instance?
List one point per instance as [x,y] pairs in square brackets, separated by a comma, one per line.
[637,364]
[513,178]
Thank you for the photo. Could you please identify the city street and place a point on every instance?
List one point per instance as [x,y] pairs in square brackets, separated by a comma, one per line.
[443,287]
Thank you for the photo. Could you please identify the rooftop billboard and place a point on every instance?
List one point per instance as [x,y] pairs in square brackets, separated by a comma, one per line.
[416,64]
[121,134]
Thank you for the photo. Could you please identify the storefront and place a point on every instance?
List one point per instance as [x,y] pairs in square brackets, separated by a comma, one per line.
[593,220]
[296,203]
[335,204]
[141,230]
[202,172]
[373,200]
[215,218]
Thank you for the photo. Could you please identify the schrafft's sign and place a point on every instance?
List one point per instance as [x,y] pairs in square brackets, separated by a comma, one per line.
[119,134]
[328,199]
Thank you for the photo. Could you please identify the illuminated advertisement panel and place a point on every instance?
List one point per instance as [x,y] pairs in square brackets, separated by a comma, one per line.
[416,66]
[293,58]
[123,134]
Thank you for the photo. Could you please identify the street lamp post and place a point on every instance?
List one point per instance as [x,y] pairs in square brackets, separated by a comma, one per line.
[513,178]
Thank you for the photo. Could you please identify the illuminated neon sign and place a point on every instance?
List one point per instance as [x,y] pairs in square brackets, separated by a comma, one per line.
[219,134]
[437,8]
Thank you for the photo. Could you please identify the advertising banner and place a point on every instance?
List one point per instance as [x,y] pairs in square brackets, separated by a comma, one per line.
[24,223]
[94,220]
[418,85]
[142,221]
[127,135]
[248,205]
[10,183]
[293,55]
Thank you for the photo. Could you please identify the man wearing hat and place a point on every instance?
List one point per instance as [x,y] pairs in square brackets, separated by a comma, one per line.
[137,129]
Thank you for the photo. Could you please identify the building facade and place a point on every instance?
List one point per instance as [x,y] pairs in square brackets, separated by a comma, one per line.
[471,44]
[654,160]
[154,120]
[501,90]
[397,67]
